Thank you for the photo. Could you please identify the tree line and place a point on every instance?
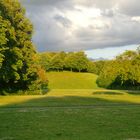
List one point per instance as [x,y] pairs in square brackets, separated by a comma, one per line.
[123,72]
[71,61]
[64,61]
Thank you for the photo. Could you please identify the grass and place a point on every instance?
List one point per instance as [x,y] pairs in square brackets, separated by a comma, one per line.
[75,108]
[72,80]
[74,114]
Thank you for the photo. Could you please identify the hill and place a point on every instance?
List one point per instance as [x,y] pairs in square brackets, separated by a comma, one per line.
[72,80]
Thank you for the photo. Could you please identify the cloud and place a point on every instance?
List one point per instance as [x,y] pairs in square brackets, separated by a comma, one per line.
[130,7]
[62,20]
[72,25]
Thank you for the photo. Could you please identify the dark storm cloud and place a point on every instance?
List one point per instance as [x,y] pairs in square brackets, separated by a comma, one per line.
[65,25]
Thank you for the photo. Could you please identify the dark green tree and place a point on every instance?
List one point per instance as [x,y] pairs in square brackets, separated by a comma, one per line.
[17,52]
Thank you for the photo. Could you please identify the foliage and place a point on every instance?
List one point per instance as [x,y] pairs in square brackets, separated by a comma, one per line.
[17,66]
[81,61]
[57,62]
[44,61]
[96,67]
[108,74]
[72,61]
[123,72]
[91,67]
[76,61]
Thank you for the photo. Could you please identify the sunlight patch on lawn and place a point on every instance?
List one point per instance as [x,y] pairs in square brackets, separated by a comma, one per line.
[109,95]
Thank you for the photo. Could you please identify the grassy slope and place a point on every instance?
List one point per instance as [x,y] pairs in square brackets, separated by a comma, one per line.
[71,115]
[71,80]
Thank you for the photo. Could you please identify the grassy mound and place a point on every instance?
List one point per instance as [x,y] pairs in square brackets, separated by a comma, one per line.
[72,80]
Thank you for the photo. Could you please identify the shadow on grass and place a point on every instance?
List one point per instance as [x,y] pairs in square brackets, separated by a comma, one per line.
[107,93]
[68,118]
[69,102]
[133,92]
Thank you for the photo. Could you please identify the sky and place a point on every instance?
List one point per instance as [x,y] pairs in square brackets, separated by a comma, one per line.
[101,28]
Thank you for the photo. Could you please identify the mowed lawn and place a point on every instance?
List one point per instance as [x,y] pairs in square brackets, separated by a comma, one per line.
[72,80]
[74,114]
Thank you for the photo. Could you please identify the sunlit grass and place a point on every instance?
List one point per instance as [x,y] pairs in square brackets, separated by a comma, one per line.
[72,80]
[110,95]
[6,100]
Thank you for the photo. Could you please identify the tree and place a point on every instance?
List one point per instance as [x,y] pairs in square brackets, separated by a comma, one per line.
[77,61]
[81,61]
[108,75]
[45,61]
[57,62]
[70,61]
[1,60]
[62,55]
[123,72]
[127,55]
[17,52]
[99,65]
[3,40]
[91,67]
